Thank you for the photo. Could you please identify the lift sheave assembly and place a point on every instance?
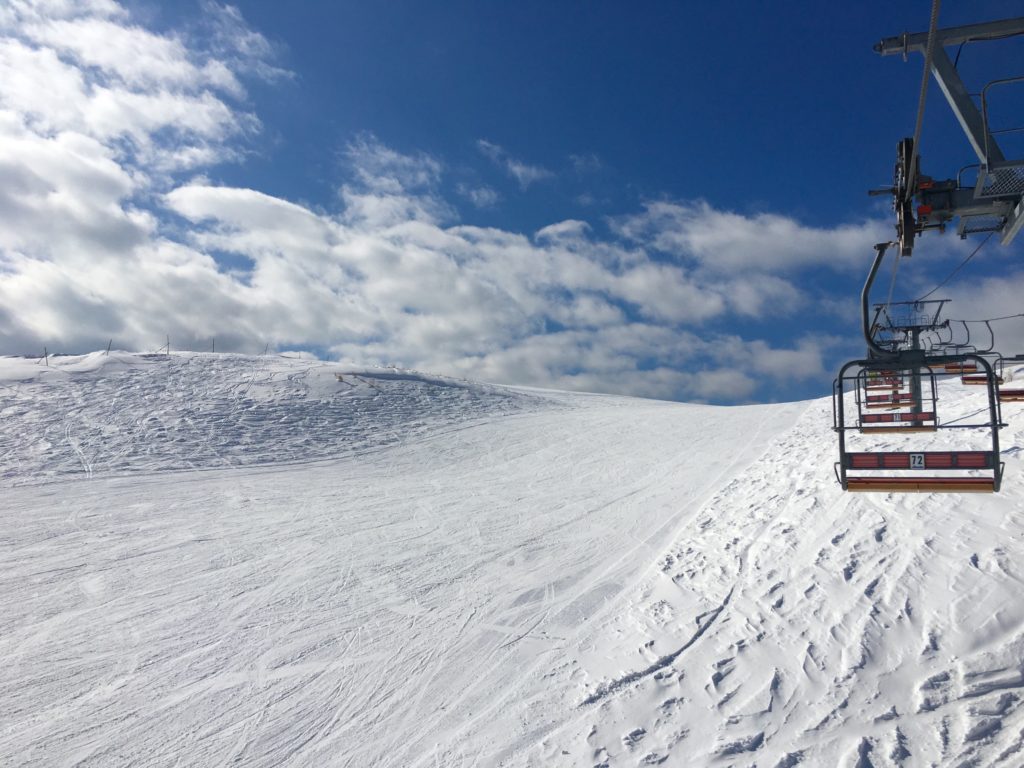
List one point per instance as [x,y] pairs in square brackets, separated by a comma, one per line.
[992,203]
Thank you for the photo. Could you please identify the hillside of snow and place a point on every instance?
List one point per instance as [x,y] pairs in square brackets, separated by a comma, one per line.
[273,561]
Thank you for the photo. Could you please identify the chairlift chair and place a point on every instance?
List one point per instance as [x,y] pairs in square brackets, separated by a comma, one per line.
[1015,395]
[972,376]
[975,471]
[976,379]
[884,383]
[910,411]
[952,471]
[961,367]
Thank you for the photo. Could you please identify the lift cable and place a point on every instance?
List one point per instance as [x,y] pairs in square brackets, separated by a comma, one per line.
[960,48]
[987,319]
[959,267]
[929,52]
[892,283]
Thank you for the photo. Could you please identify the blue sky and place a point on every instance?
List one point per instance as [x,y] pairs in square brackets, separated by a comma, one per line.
[663,199]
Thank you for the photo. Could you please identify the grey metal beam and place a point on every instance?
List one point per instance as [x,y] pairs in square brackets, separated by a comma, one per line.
[963,106]
[951,36]
[1013,224]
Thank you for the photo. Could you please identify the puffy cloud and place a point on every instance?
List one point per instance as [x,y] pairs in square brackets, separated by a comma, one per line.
[993,297]
[390,188]
[131,55]
[23,11]
[666,293]
[64,195]
[725,241]
[101,236]
[84,68]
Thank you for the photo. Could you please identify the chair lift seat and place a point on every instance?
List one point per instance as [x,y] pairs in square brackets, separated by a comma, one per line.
[895,400]
[924,460]
[966,471]
[979,378]
[898,422]
[961,367]
[922,484]
[896,430]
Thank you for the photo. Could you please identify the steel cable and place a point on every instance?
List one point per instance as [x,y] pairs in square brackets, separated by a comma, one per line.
[929,51]
[959,267]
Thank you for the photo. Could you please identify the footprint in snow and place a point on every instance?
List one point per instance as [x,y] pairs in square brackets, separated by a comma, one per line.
[634,737]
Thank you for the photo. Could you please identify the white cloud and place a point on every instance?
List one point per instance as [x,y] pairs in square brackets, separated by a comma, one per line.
[526,174]
[84,68]
[490,150]
[994,297]
[725,241]
[39,89]
[238,46]
[101,237]
[132,55]
[804,361]
[723,384]
[390,188]
[761,295]
[65,194]
[523,173]
[569,230]
[666,293]
[23,11]
[480,196]
[586,163]
[383,170]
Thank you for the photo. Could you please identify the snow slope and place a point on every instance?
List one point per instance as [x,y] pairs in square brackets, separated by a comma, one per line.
[212,560]
[123,412]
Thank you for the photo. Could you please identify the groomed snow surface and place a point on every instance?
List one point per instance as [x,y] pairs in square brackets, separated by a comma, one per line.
[264,561]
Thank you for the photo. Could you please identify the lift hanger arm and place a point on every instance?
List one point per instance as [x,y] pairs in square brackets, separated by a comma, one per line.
[950,36]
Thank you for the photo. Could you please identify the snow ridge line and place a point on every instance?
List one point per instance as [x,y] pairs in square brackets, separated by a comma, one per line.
[603,691]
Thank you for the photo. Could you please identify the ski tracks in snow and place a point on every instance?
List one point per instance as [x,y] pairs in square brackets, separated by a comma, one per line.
[112,415]
[411,604]
[437,573]
[820,629]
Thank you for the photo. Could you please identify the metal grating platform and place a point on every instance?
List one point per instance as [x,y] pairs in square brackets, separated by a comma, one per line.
[1003,181]
[970,225]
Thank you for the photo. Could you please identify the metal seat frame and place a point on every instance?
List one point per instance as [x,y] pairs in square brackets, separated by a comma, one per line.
[915,363]
[1010,395]
[911,364]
